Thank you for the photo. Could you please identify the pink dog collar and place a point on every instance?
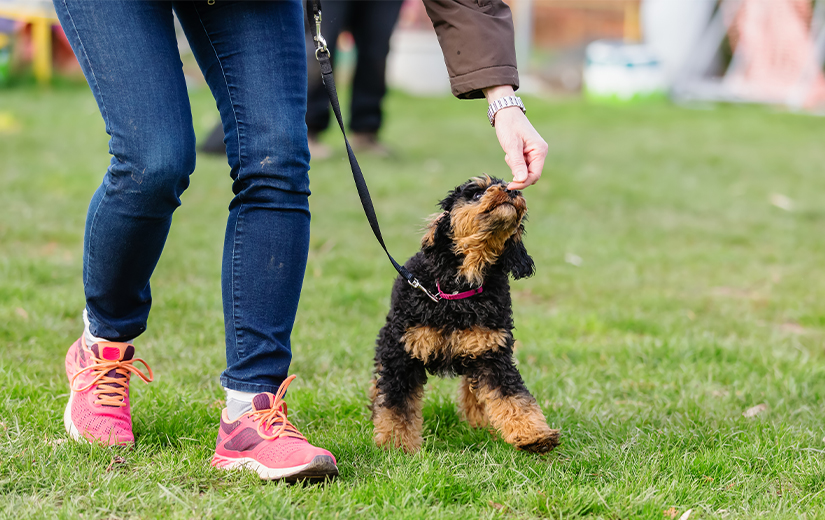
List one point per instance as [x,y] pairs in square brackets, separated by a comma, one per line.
[459,296]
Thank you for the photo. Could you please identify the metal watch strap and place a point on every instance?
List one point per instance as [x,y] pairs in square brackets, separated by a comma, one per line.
[498,104]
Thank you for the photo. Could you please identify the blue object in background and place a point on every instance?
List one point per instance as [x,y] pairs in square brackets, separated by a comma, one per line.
[6,33]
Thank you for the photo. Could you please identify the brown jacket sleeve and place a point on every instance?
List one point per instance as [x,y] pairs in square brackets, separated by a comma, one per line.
[477,40]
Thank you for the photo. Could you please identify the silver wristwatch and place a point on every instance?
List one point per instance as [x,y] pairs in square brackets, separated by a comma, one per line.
[498,104]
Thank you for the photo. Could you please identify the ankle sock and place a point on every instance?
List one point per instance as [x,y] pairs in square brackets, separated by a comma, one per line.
[238,403]
[87,334]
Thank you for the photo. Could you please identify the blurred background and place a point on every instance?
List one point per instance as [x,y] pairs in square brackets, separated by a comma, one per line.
[677,234]
[758,51]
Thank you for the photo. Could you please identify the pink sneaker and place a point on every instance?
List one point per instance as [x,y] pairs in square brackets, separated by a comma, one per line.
[264,440]
[98,408]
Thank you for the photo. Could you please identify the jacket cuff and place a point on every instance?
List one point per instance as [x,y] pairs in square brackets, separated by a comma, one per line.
[468,86]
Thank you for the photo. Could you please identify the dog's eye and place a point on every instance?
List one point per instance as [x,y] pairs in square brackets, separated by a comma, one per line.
[478,195]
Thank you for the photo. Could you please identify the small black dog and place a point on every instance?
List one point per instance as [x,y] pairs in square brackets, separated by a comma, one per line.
[467,254]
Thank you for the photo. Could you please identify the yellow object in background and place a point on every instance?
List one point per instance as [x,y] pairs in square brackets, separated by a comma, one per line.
[8,124]
[41,17]
[42,40]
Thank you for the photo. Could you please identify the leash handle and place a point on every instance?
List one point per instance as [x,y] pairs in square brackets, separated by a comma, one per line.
[313,10]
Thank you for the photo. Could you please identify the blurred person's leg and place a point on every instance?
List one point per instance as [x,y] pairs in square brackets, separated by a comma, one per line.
[253,57]
[372,26]
[213,144]
[129,54]
[335,18]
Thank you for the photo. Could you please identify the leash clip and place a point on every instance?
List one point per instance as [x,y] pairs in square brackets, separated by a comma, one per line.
[320,42]
[417,285]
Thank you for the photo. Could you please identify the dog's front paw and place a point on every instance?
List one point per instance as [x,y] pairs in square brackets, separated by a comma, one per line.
[399,439]
[472,410]
[546,442]
[397,430]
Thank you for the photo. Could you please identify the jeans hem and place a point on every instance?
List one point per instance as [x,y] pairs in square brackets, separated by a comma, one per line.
[241,386]
[95,329]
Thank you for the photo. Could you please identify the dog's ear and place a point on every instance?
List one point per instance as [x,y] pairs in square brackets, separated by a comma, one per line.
[436,229]
[448,202]
[515,260]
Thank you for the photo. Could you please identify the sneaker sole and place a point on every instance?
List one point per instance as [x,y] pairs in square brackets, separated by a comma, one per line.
[67,421]
[320,468]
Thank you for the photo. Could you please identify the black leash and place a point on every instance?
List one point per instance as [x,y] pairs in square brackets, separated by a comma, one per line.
[313,9]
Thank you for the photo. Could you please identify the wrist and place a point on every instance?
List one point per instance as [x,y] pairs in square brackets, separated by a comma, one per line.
[497,92]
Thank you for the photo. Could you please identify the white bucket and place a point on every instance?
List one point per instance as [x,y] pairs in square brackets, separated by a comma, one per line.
[619,71]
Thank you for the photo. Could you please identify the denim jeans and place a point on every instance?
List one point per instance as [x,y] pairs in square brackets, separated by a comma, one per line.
[252,55]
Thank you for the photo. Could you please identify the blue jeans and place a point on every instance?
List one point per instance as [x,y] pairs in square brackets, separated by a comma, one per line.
[252,55]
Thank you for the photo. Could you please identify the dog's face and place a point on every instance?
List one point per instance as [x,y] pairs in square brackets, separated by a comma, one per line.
[483,223]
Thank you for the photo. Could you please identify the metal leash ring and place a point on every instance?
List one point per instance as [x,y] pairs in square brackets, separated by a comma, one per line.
[417,285]
[320,42]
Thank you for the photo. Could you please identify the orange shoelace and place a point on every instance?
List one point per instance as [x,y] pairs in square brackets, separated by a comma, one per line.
[112,385]
[276,414]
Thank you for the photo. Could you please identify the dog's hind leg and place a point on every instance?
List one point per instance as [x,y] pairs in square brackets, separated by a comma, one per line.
[471,408]
[397,397]
[511,409]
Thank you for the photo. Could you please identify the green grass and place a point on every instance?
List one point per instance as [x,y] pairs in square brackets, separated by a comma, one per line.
[695,299]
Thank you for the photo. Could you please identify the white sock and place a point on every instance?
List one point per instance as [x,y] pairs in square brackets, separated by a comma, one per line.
[238,403]
[87,334]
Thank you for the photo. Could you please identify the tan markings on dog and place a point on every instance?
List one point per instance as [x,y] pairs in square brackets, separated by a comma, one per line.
[480,251]
[476,341]
[519,232]
[472,410]
[426,343]
[481,230]
[428,240]
[519,419]
[373,392]
[399,430]
[422,342]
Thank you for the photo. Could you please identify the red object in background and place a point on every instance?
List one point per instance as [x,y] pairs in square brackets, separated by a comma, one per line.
[778,57]
[62,55]
[63,58]
[413,17]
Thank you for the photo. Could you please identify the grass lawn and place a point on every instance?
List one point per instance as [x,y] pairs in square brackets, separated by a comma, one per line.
[673,292]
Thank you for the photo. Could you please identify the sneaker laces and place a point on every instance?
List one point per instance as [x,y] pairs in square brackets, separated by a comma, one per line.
[114,391]
[277,414]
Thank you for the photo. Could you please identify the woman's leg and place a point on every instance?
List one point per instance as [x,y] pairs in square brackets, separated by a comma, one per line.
[253,57]
[129,55]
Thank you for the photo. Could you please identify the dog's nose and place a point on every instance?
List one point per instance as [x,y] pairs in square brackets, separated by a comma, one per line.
[512,193]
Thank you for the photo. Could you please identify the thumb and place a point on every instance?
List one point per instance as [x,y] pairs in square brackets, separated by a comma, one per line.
[514,158]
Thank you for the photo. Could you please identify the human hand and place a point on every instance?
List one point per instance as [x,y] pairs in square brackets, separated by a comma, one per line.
[523,147]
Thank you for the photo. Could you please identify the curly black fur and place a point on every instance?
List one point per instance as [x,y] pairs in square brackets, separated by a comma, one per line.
[400,375]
